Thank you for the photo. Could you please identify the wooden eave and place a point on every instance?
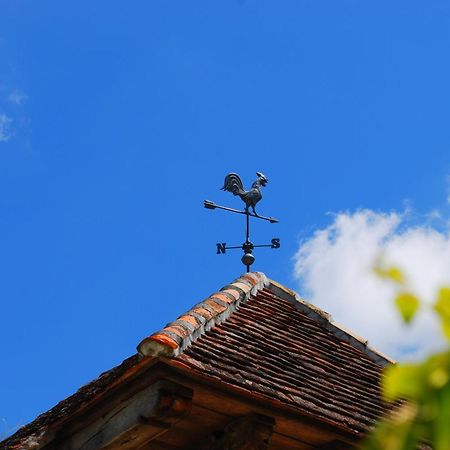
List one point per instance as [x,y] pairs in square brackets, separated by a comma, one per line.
[213,406]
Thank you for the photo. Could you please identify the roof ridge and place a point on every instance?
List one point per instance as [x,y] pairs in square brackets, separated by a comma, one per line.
[327,321]
[176,336]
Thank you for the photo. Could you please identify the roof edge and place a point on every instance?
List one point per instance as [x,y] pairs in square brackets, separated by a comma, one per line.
[327,321]
[176,336]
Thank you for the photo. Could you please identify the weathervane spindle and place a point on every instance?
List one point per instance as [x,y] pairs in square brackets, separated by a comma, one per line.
[251,197]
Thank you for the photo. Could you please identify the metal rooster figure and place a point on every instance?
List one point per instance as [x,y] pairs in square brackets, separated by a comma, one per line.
[234,185]
[251,197]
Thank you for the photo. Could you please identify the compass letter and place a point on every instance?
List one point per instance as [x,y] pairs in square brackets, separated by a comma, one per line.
[221,248]
[275,243]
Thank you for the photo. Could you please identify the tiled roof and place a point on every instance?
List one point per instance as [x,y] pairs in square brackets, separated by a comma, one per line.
[177,336]
[37,432]
[259,337]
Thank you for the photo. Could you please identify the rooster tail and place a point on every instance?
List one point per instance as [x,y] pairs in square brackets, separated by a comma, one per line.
[233,184]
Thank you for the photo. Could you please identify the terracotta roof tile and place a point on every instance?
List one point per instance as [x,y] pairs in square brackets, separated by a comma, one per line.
[278,346]
[263,337]
[213,310]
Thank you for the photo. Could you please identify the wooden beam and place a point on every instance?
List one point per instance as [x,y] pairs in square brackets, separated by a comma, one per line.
[173,403]
[251,432]
[140,419]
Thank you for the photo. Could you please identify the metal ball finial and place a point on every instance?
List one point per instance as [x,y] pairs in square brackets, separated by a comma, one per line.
[248,259]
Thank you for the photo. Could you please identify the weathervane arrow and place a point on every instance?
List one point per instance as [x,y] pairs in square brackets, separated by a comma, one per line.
[251,197]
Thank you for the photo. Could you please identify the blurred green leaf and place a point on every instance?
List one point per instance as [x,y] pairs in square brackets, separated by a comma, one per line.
[421,412]
[407,304]
[397,432]
[442,307]
[442,433]
[437,368]
[438,378]
[446,328]
[392,273]
[404,381]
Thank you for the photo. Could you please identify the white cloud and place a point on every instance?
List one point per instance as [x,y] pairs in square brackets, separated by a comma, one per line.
[17,97]
[334,268]
[6,132]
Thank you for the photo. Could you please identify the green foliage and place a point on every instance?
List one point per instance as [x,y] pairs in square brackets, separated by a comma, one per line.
[402,381]
[422,411]
[442,307]
[407,304]
[419,393]
[390,273]
[395,433]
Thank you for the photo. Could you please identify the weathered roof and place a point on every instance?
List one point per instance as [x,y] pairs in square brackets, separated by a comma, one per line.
[39,431]
[260,337]
[264,338]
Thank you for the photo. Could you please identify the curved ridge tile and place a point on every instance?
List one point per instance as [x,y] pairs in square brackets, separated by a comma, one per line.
[175,337]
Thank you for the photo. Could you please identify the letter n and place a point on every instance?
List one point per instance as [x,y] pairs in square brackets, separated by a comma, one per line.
[221,248]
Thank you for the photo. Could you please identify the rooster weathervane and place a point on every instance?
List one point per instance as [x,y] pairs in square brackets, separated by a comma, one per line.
[251,197]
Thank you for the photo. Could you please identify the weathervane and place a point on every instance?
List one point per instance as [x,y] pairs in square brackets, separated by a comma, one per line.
[234,185]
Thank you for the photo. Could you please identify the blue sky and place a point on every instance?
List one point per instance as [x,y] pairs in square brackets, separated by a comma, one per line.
[117,119]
